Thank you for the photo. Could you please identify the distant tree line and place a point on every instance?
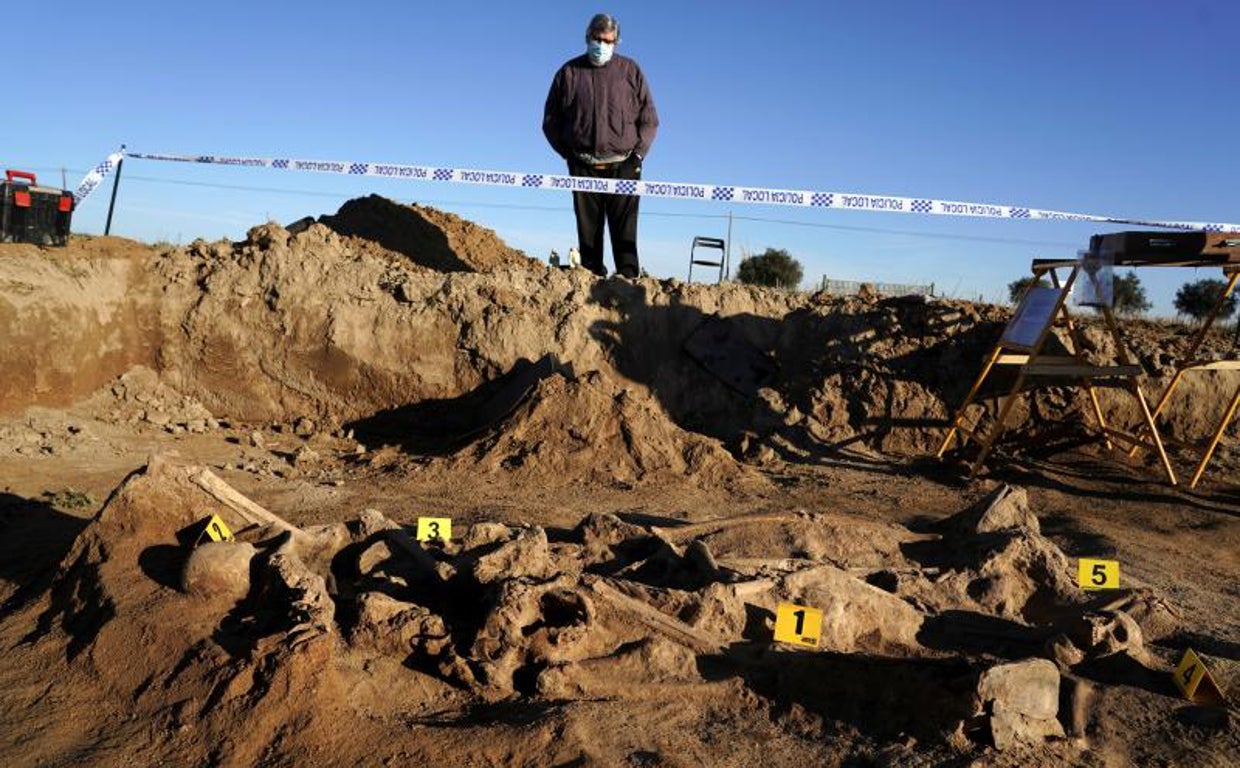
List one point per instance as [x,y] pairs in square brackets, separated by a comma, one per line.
[1197,298]
[776,268]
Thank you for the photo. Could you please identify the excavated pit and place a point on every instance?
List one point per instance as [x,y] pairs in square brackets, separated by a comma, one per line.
[392,340]
[609,609]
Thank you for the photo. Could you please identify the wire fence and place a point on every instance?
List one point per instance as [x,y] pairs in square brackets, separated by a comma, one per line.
[851,287]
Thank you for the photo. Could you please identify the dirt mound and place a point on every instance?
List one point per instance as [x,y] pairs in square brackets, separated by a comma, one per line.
[138,396]
[183,665]
[437,240]
[590,429]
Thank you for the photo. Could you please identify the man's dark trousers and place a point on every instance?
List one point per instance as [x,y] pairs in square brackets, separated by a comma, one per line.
[620,212]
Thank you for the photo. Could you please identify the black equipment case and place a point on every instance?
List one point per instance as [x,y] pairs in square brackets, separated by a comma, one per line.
[1168,248]
[33,214]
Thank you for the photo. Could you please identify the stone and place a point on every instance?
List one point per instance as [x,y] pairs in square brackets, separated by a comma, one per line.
[605,529]
[855,615]
[219,569]
[1015,574]
[405,292]
[373,557]
[1010,729]
[374,608]
[1005,508]
[392,554]
[1022,701]
[482,534]
[1029,687]
[372,521]
[527,555]
[394,626]
[305,456]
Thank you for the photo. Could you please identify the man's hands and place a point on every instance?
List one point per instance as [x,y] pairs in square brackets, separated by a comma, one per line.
[633,163]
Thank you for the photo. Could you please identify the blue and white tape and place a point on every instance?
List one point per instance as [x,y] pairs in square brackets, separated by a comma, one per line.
[97,175]
[684,191]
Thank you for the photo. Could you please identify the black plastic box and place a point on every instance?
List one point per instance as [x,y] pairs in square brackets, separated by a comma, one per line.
[1168,248]
[33,214]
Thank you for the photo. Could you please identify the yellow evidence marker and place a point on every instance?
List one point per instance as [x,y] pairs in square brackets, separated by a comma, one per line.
[210,528]
[798,624]
[1194,680]
[434,528]
[217,530]
[1098,574]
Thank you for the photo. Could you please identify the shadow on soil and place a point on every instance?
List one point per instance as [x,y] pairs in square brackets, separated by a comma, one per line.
[1095,476]
[397,228]
[883,698]
[1185,639]
[441,427]
[34,538]
[708,371]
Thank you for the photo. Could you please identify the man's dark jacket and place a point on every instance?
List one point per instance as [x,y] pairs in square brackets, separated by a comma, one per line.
[602,111]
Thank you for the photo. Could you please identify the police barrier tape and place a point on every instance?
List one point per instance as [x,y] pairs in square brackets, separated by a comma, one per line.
[96,176]
[681,191]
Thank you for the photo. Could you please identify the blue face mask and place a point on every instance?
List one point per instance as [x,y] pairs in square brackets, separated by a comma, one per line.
[599,52]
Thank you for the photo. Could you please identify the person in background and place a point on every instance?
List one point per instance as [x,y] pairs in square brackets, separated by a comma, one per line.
[601,119]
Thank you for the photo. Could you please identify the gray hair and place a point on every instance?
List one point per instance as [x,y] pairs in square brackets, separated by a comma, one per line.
[603,22]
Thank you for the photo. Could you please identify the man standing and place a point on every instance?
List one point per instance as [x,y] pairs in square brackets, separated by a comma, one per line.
[600,117]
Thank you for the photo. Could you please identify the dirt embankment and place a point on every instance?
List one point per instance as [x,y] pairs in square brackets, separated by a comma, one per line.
[412,306]
[73,319]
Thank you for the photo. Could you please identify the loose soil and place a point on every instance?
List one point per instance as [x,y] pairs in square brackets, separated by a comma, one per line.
[638,473]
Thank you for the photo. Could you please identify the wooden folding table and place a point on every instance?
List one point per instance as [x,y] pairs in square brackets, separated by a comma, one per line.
[1023,341]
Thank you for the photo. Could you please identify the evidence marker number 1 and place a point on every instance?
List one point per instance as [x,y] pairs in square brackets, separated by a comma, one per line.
[1097,574]
[434,528]
[798,624]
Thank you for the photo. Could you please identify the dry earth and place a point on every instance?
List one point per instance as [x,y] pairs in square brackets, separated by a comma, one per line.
[637,474]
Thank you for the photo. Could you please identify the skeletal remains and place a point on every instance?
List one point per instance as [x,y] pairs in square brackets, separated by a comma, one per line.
[611,607]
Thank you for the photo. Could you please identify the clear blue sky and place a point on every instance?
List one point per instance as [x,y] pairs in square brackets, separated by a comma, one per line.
[1124,108]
